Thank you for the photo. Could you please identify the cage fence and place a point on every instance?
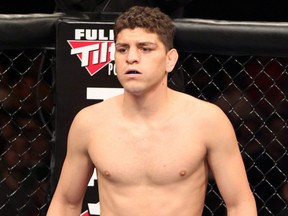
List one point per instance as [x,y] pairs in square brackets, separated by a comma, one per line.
[252,91]
[26,131]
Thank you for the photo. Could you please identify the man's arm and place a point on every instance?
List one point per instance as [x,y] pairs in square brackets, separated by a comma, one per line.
[227,166]
[76,172]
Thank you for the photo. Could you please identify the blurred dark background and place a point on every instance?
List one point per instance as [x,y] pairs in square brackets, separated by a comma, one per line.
[244,10]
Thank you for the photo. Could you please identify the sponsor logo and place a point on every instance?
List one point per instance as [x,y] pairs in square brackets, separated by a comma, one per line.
[86,213]
[94,48]
[95,93]
[94,209]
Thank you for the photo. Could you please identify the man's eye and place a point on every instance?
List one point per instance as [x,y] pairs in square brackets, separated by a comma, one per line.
[146,49]
[121,50]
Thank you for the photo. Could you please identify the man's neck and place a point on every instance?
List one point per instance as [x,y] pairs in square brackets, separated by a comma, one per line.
[146,105]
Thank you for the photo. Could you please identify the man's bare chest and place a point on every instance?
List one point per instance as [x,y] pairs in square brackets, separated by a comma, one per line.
[135,155]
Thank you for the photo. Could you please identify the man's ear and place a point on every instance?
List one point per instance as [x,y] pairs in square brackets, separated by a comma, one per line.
[171,60]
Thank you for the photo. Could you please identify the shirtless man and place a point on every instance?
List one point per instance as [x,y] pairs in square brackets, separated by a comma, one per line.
[152,146]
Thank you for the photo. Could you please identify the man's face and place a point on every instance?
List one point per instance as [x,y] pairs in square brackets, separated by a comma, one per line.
[141,60]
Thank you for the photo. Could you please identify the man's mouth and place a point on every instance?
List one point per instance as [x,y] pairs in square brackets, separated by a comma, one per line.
[133,72]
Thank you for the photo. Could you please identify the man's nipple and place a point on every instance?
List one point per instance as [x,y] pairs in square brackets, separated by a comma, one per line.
[107,174]
[182,173]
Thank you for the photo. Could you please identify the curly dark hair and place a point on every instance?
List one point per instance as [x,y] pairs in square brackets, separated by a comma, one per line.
[148,18]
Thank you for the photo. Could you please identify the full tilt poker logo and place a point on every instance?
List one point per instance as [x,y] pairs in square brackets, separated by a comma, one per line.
[95,49]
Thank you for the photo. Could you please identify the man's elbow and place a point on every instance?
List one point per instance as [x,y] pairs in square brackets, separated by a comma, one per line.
[64,207]
[246,206]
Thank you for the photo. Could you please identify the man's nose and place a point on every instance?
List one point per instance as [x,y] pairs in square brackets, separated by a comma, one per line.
[133,56]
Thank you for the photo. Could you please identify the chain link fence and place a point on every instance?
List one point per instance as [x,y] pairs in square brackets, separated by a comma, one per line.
[252,90]
[26,131]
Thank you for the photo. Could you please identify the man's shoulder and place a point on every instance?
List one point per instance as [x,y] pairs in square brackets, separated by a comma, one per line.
[212,116]
[203,109]
[97,111]
[107,104]
[198,103]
